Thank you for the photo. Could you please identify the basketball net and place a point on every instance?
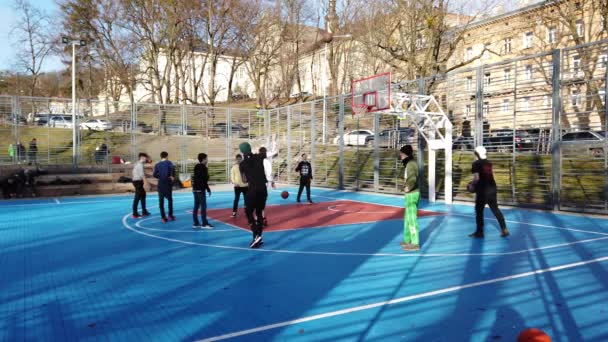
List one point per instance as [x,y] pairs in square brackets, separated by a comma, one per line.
[359,110]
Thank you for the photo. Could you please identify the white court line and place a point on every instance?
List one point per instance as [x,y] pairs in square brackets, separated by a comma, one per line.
[487,218]
[332,208]
[139,225]
[403,299]
[402,255]
[180,199]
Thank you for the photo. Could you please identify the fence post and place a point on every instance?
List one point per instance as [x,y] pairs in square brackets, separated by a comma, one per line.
[376,153]
[556,130]
[313,136]
[479,108]
[421,142]
[15,115]
[228,144]
[289,145]
[341,145]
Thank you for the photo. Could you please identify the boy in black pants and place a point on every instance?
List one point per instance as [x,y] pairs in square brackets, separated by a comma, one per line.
[164,171]
[140,182]
[252,167]
[305,170]
[200,184]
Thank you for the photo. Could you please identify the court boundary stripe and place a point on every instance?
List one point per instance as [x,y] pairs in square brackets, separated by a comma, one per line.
[448,213]
[192,243]
[402,299]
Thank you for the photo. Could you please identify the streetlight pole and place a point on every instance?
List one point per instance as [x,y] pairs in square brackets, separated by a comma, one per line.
[67,40]
[324,76]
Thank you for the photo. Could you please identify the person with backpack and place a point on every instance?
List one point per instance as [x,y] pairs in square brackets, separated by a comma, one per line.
[200,186]
[240,186]
[305,169]
[485,193]
[164,171]
[252,167]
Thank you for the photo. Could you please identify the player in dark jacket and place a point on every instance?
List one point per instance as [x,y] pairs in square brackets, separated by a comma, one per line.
[164,171]
[305,170]
[200,185]
[252,167]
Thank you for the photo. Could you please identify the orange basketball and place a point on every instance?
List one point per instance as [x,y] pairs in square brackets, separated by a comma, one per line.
[284,194]
[533,335]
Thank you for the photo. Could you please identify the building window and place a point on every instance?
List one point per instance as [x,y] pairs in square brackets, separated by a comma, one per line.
[469,83]
[525,104]
[528,39]
[548,101]
[580,28]
[552,35]
[603,61]
[576,64]
[528,72]
[507,45]
[418,41]
[486,108]
[576,98]
[240,73]
[487,79]
[469,54]
[505,106]
[507,75]
[602,94]
[467,110]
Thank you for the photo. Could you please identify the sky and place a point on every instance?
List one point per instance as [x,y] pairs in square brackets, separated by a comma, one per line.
[7,20]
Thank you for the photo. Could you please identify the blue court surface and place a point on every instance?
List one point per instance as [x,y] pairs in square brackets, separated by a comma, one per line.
[83,269]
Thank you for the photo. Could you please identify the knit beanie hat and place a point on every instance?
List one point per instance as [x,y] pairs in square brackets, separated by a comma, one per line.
[245,148]
[407,149]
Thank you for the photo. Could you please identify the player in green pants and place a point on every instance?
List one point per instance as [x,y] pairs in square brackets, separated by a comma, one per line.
[411,241]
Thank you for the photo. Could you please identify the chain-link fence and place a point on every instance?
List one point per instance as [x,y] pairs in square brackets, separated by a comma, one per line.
[542,118]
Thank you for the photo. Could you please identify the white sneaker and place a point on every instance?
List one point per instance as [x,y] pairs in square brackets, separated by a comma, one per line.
[196,226]
[207,226]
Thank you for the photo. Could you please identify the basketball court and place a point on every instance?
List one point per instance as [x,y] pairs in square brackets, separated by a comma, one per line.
[83,269]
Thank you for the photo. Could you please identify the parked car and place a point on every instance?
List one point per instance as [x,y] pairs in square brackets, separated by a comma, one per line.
[97,125]
[300,94]
[125,126]
[592,142]
[356,137]
[502,140]
[392,138]
[236,129]
[463,143]
[42,119]
[177,129]
[61,121]
[240,96]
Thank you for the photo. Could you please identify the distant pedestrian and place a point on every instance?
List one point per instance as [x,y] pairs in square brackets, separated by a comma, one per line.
[164,171]
[240,186]
[33,152]
[305,169]
[140,182]
[20,152]
[200,186]
[485,193]
[411,241]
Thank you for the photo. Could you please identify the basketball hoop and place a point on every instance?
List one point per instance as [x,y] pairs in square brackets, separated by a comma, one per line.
[359,110]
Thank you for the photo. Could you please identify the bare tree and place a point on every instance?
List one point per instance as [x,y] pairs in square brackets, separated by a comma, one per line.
[34,40]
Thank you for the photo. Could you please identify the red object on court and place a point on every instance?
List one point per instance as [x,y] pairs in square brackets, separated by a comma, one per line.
[533,335]
[284,194]
[116,160]
[318,215]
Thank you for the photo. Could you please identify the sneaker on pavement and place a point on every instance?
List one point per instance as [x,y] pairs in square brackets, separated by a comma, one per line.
[234,214]
[410,247]
[310,202]
[136,216]
[255,241]
[145,213]
[207,226]
[505,233]
[196,226]
[476,235]
[163,220]
[171,218]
